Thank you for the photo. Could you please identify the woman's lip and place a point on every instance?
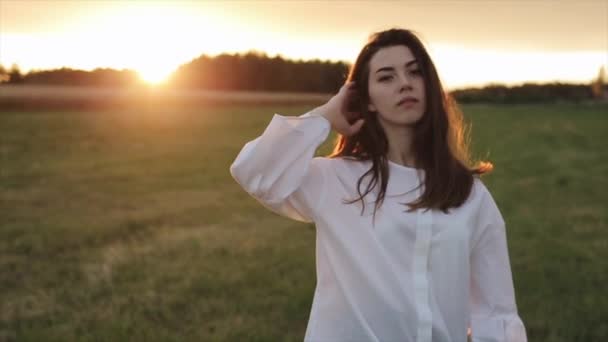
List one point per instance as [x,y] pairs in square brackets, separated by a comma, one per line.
[407,103]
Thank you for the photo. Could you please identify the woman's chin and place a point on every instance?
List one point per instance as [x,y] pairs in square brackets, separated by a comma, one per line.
[402,119]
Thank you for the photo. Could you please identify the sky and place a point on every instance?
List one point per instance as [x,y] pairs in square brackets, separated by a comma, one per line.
[472,43]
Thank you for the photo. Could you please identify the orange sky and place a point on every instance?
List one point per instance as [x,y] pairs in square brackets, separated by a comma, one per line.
[471,42]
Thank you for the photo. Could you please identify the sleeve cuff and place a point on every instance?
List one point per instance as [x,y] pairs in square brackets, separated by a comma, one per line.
[498,329]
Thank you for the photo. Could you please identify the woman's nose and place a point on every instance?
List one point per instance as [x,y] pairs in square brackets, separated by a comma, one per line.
[405,82]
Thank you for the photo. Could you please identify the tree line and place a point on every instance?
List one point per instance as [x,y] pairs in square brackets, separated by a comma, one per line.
[255,71]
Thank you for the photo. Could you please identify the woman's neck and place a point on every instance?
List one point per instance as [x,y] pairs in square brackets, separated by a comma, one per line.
[400,144]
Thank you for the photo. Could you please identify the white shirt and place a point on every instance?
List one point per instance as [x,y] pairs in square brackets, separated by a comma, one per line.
[422,277]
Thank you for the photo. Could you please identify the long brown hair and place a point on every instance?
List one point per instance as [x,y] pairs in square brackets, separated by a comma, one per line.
[440,142]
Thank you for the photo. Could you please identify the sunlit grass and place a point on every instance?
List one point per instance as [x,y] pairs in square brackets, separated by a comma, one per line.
[127,225]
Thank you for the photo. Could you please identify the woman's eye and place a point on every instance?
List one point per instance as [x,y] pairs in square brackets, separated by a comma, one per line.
[415,71]
[384,78]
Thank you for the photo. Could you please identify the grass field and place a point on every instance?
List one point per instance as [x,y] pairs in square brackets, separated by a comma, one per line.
[126,225]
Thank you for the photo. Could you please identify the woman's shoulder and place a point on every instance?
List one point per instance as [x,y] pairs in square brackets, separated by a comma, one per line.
[480,193]
[342,167]
[341,162]
[479,186]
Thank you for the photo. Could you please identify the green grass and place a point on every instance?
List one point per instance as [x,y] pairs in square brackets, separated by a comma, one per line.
[128,226]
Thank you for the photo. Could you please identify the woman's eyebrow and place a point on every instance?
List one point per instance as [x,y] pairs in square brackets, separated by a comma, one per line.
[390,68]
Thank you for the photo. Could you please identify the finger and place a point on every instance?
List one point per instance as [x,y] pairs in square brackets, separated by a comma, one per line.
[349,84]
[354,128]
[352,115]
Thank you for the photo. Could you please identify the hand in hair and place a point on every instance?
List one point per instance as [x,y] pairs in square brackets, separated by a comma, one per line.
[336,112]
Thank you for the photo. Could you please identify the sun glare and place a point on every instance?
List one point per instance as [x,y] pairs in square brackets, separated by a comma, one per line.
[153,74]
[150,31]
[152,39]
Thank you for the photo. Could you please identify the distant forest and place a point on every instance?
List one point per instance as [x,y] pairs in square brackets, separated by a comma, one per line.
[255,71]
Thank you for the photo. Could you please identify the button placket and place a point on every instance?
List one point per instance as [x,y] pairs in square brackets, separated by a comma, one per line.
[424,221]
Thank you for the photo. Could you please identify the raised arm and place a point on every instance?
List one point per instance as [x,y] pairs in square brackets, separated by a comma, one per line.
[278,168]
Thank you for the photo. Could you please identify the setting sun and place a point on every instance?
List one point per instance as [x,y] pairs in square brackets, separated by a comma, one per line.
[153,37]
[153,76]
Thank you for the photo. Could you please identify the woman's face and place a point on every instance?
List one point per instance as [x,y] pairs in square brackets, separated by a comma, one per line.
[394,76]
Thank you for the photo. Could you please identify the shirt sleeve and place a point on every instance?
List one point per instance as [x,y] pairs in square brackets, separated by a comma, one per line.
[494,316]
[279,169]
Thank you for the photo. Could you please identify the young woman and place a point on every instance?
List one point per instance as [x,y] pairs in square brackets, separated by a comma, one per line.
[410,245]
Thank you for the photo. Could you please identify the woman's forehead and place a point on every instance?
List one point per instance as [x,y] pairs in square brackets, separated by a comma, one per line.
[393,56]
